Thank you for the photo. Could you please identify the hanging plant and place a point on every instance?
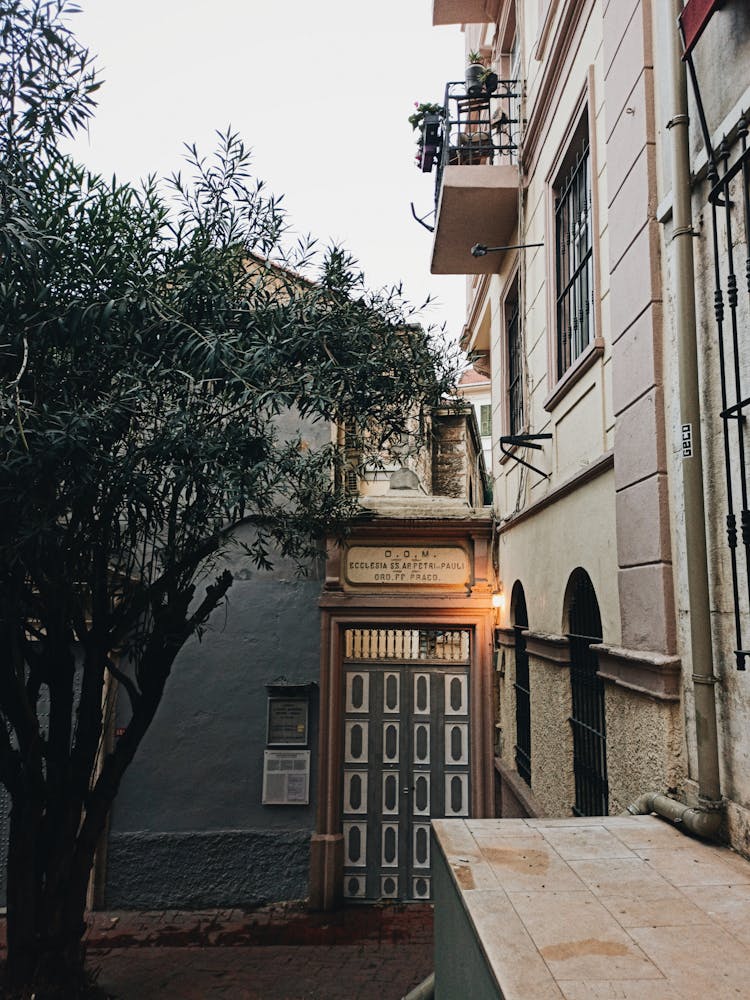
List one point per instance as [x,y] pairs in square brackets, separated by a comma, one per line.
[416,118]
[426,121]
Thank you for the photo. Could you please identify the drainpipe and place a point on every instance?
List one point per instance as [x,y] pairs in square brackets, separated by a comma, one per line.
[706,818]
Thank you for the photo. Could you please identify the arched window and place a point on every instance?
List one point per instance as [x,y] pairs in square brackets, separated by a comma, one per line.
[523,690]
[587,719]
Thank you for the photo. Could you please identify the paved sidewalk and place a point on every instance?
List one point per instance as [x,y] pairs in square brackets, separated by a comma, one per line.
[279,952]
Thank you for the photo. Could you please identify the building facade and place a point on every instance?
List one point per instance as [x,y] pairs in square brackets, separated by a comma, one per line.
[553,196]
[476,389]
[406,727]
[705,187]
[303,747]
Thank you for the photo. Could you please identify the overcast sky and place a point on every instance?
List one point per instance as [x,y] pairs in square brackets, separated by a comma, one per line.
[321,91]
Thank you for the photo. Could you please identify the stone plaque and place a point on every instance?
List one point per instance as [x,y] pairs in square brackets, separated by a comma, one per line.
[287,721]
[417,565]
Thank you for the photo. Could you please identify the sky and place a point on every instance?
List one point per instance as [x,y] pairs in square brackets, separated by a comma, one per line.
[320,91]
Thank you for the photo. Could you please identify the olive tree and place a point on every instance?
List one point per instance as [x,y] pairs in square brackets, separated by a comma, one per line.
[150,336]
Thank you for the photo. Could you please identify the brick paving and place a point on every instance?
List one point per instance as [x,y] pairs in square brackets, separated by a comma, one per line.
[279,952]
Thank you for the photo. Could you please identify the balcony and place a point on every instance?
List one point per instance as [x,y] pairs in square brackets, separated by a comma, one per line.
[464,11]
[476,189]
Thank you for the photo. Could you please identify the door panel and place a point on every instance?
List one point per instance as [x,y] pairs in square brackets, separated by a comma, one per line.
[406,761]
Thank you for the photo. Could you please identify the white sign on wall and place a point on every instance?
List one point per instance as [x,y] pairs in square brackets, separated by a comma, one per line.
[286,777]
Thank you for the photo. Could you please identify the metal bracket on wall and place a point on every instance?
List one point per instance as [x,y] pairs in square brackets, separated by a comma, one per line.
[420,220]
[524,441]
[480,250]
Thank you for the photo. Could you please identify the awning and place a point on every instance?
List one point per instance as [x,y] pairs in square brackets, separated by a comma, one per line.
[695,16]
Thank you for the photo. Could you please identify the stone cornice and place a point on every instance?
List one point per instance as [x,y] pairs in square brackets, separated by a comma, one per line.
[657,675]
[505,636]
[421,528]
[546,646]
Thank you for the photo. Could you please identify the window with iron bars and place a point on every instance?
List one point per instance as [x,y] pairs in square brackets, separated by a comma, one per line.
[730,224]
[522,686]
[574,252]
[485,419]
[515,364]
[587,691]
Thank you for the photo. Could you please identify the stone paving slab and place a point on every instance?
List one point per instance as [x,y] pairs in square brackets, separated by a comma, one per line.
[599,908]
[303,972]
[279,952]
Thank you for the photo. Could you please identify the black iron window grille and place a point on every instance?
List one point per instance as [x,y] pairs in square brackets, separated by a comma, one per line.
[587,690]
[574,256]
[729,177]
[522,687]
[515,367]
[730,215]
[478,128]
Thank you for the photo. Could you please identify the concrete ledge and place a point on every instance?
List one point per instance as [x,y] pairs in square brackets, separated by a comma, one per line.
[585,360]
[654,674]
[505,637]
[546,646]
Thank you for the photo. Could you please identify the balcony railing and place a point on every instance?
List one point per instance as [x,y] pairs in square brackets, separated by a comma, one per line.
[477,128]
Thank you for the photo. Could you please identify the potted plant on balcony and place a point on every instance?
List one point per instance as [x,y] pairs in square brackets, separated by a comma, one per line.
[479,76]
[475,73]
[426,120]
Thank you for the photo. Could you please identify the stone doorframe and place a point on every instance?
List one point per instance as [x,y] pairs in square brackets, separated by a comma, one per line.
[413,611]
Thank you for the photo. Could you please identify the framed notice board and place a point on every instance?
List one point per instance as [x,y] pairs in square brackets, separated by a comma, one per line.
[287,722]
[286,777]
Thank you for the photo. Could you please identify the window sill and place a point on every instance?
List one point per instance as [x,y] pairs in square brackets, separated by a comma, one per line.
[580,366]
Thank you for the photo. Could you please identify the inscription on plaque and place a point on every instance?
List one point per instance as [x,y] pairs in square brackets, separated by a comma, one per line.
[416,565]
[287,721]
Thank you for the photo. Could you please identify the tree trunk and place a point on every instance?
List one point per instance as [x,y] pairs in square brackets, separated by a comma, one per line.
[54,830]
[22,892]
[46,952]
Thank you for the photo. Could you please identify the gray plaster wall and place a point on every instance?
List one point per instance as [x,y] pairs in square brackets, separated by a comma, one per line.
[188,827]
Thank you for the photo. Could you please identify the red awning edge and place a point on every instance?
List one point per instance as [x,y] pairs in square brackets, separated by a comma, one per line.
[694,17]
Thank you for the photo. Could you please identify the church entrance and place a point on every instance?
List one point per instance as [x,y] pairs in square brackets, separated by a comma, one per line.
[406,754]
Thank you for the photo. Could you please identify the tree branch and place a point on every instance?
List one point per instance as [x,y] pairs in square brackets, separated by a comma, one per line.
[134,694]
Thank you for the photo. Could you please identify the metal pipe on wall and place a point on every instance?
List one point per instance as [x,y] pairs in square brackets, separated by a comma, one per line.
[704,680]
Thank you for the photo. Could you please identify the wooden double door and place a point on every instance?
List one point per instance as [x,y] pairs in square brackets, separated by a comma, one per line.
[406,761]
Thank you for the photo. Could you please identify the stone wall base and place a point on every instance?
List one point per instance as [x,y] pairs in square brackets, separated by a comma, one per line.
[513,797]
[195,870]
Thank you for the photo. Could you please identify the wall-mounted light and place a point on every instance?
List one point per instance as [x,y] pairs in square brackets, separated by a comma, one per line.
[498,603]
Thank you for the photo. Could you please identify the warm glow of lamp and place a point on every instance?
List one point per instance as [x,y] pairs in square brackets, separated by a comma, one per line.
[498,602]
